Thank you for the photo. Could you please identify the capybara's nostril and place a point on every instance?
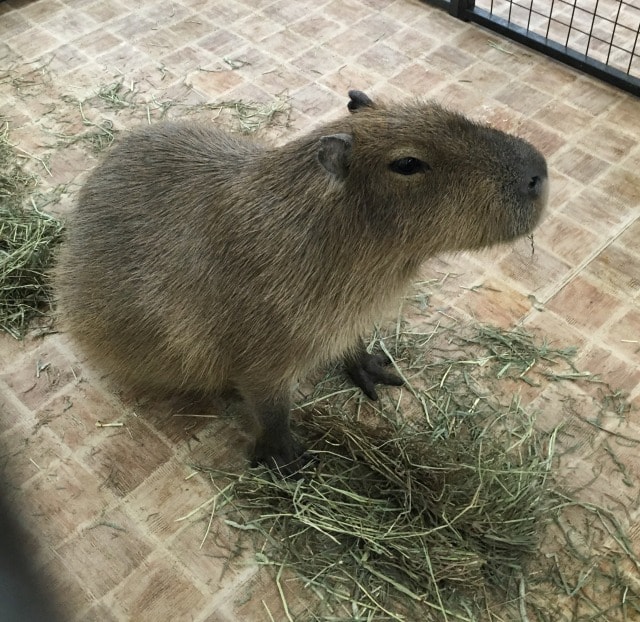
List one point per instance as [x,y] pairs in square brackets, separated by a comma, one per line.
[534,186]
[534,182]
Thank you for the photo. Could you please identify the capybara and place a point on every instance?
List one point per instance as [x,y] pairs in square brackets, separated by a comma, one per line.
[203,261]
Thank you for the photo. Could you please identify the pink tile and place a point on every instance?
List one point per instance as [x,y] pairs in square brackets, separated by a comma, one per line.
[75,416]
[546,140]
[285,12]
[222,42]
[29,451]
[214,84]
[317,61]
[495,303]
[384,59]
[379,27]
[99,612]
[156,587]
[166,496]
[262,589]
[624,334]
[349,77]
[624,185]
[346,11]
[539,272]
[33,43]
[256,27]
[580,165]
[97,42]
[286,44]
[66,58]
[61,500]
[105,552]
[201,555]
[598,211]
[584,304]
[12,23]
[618,373]
[131,29]
[522,97]
[226,12]
[70,24]
[624,115]
[551,77]
[483,78]
[448,59]
[13,350]
[281,79]
[104,10]
[184,60]
[630,237]
[562,118]
[458,96]
[617,269]
[126,456]
[41,11]
[10,414]
[316,28]
[567,239]
[590,96]
[314,100]
[40,375]
[608,143]
[123,57]
[191,28]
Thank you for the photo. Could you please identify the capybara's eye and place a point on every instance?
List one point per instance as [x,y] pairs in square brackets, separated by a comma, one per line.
[408,166]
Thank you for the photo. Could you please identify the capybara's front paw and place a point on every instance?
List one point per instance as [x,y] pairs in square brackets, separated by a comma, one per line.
[372,369]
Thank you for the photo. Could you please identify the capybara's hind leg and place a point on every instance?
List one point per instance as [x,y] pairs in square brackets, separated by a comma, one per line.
[366,370]
[275,444]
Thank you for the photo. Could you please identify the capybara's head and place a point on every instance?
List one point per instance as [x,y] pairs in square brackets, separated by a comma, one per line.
[436,176]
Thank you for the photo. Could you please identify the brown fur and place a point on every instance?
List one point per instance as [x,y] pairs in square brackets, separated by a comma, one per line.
[200,261]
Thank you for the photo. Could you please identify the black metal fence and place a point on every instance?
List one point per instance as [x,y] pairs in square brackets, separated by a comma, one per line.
[599,37]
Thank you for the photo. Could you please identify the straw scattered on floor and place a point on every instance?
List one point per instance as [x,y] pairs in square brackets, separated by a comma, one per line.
[433,504]
[27,238]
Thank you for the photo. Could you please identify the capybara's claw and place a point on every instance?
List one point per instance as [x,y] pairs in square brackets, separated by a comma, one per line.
[286,459]
[372,369]
[285,467]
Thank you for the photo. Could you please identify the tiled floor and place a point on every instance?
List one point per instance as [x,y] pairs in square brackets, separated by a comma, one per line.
[101,503]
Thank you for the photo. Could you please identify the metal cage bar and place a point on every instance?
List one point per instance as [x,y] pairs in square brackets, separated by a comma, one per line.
[581,42]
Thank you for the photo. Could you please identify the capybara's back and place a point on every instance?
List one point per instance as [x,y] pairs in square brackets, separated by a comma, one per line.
[201,261]
[141,251]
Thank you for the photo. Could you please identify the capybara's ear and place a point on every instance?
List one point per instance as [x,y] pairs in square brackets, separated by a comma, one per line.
[334,154]
[357,100]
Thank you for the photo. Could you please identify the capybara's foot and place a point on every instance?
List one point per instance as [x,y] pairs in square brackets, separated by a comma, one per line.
[285,456]
[369,370]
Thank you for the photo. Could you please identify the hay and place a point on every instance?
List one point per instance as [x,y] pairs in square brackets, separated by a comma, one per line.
[251,117]
[245,117]
[98,135]
[420,509]
[27,237]
[431,505]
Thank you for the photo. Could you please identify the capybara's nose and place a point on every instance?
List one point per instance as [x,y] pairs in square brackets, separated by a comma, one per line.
[534,181]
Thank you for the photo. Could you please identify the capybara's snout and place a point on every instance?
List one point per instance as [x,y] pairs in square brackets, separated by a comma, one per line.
[525,185]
